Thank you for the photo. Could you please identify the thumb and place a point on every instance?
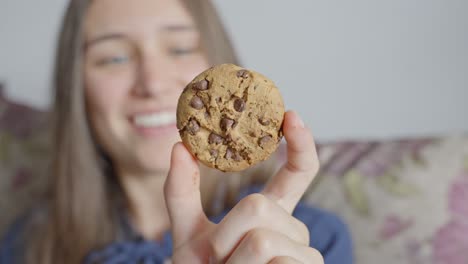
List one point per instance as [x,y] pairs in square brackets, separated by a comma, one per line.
[182,195]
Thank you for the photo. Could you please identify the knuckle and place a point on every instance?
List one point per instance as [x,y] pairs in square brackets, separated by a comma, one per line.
[310,162]
[315,255]
[258,242]
[304,232]
[216,248]
[303,165]
[255,205]
[281,260]
[313,167]
[316,167]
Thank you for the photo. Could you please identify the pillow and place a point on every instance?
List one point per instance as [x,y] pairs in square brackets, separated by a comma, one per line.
[405,201]
[23,158]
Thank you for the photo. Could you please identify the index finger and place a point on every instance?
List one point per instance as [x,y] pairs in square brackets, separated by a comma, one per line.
[292,180]
[182,195]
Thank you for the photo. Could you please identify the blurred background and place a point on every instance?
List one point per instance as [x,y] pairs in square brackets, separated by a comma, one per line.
[383,84]
[353,69]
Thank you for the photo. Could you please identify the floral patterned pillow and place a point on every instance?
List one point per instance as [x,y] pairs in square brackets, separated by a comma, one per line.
[23,158]
[405,201]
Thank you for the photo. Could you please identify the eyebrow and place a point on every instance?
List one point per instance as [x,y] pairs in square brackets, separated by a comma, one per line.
[167,28]
[178,28]
[103,38]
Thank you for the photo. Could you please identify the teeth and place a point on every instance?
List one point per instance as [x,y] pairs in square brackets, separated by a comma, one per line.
[156,119]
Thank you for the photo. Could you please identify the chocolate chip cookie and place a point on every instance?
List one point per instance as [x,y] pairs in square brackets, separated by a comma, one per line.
[230,118]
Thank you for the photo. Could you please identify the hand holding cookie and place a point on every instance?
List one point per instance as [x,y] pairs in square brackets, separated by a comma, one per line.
[260,228]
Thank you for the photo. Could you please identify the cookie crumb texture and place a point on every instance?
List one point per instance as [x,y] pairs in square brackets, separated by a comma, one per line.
[230,118]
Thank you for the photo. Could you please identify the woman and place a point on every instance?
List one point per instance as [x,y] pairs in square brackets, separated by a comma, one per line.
[120,180]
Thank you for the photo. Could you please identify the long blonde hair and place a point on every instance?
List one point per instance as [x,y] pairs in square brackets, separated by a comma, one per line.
[78,215]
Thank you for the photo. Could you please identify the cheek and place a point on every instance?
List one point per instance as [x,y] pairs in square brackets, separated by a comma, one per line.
[191,69]
[105,94]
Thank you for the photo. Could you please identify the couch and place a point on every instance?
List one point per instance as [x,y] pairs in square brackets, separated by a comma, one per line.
[405,200]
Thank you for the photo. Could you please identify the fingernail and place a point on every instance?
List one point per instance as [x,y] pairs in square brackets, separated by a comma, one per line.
[299,121]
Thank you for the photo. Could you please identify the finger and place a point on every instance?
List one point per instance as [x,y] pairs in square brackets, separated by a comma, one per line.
[263,245]
[254,211]
[182,195]
[292,180]
[284,260]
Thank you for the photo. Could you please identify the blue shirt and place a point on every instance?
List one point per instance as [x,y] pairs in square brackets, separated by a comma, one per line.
[327,232]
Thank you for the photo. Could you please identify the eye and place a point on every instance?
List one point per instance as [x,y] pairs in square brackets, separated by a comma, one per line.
[113,60]
[181,51]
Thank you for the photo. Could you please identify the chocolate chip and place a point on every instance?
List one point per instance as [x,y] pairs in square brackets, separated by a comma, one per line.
[196,103]
[243,74]
[239,105]
[228,139]
[237,157]
[229,153]
[264,121]
[215,139]
[219,100]
[214,153]
[201,85]
[232,154]
[193,127]
[226,123]
[264,140]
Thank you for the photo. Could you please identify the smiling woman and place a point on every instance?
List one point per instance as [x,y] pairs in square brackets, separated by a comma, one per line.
[135,68]
[124,189]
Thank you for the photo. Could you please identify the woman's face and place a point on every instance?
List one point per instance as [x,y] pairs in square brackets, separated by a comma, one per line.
[139,55]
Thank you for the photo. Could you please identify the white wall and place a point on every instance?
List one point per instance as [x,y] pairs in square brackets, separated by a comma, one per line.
[353,69]
[27,40]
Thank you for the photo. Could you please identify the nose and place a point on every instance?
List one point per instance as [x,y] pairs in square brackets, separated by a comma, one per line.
[153,77]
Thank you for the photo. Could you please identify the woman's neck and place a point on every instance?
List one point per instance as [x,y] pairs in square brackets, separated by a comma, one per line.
[146,204]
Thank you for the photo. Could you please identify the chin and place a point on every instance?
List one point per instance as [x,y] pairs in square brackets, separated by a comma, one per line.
[156,157]
[150,164]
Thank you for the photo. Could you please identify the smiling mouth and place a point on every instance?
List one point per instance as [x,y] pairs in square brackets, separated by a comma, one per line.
[154,120]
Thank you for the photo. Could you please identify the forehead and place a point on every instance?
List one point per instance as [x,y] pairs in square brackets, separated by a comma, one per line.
[133,16]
